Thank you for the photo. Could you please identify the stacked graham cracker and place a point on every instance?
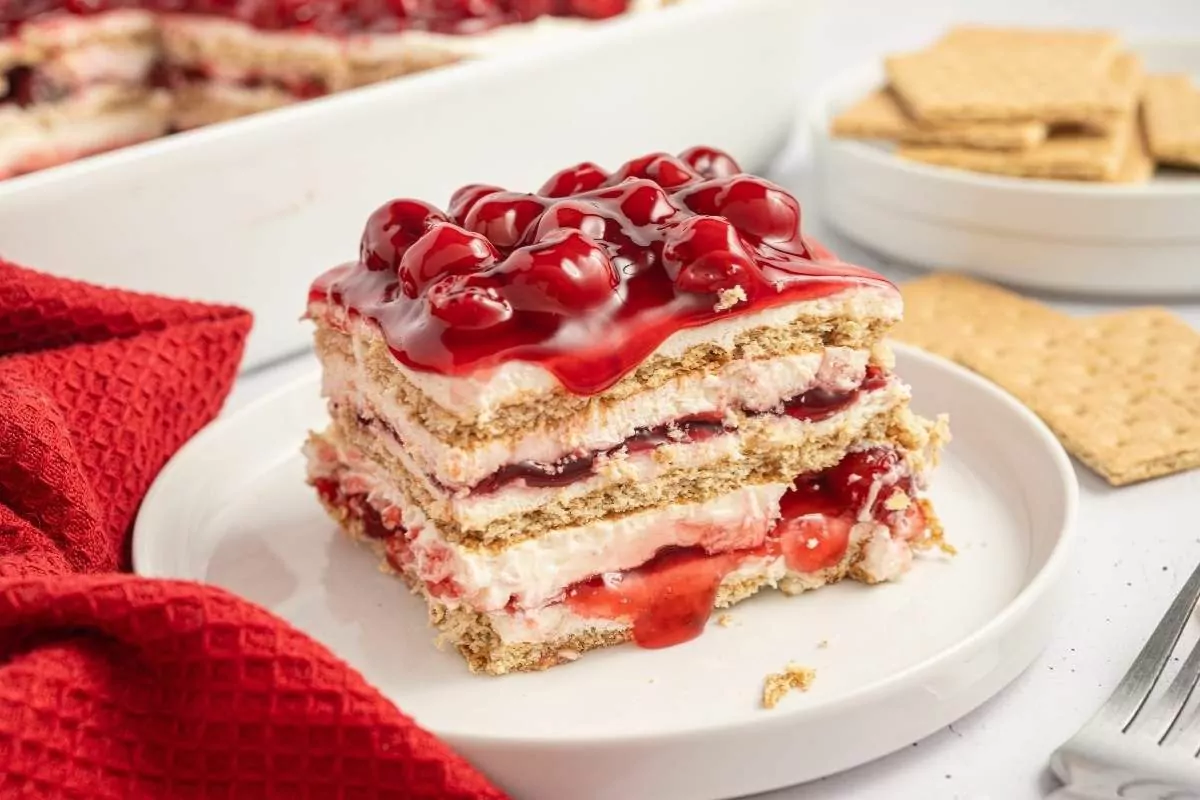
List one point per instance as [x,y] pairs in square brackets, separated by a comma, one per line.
[1031,103]
[1121,391]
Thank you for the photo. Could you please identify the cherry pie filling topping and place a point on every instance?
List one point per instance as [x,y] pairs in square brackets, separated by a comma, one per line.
[587,276]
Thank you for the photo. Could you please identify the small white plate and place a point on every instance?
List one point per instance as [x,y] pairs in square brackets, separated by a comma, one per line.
[1060,236]
[902,660]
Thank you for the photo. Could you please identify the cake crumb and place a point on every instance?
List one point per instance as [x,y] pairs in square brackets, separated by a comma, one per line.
[778,684]
[728,298]
[897,501]
[568,655]
[725,620]
[823,644]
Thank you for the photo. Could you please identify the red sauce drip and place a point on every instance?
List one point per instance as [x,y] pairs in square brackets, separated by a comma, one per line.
[330,17]
[669,598]
[586,277]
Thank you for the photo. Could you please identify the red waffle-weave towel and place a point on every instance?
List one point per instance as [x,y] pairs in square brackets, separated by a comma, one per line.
[112,686]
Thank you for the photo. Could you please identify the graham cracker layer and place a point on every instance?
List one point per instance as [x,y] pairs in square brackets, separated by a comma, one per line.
[543,411]
[764,458]
[472,634]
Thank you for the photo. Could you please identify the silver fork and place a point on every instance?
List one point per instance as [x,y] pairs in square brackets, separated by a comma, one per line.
[1135,747]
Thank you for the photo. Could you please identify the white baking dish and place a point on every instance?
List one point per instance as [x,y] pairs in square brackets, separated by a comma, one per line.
[248,212]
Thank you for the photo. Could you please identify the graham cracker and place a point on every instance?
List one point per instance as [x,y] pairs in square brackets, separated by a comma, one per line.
[951,315]
[880,115]
[1058,78]
[1136,165]
[1079,44]
[1121,391]
[1171,111]
[1065,156]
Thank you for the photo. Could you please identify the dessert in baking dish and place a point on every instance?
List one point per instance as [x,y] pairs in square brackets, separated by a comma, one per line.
[591,414]
[82,76]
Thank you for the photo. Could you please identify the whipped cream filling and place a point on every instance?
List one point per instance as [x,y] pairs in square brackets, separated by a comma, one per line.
[749,385]
[483,395]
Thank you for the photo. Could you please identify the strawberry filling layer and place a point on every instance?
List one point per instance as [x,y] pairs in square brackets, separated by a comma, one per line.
[668,599]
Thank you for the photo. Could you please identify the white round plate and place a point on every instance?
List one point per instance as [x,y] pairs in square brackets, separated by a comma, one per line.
[1061,236]
[902,660]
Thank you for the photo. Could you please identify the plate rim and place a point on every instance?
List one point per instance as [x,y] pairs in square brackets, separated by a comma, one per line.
[819,112]
[1035,591]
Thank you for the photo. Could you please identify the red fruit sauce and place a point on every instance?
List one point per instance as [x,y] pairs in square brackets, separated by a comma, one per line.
[587,277]
[332,17]
[669,598]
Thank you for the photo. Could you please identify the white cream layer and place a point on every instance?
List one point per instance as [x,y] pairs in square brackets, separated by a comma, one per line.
[483,395]
[750,385]
[885,558]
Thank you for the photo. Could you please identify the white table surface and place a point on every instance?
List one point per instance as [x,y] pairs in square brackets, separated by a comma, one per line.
[1138,544]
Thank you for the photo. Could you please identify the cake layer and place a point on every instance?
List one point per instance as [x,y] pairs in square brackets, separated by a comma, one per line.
[530,572]
[666,601]
[93,120]
[519,396]
[710,387]
[739,445]
[762,449]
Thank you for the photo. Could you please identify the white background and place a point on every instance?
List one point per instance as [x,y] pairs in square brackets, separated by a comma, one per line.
[1138,544]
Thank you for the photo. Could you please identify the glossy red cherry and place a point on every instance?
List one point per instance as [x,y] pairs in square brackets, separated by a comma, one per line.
[577,214]
[665,170]
[526,10]
[597,9]
[813,543]
[710,162]
[463,200]
[761,209]
[573,180]
[505,217]
[706,255]
[567,273]
[467,302]
[445,249]
[392,229]
[645,203]
[852,478]
[703,198]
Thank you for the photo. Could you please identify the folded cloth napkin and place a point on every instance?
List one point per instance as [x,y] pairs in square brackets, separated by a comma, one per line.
[113,686]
